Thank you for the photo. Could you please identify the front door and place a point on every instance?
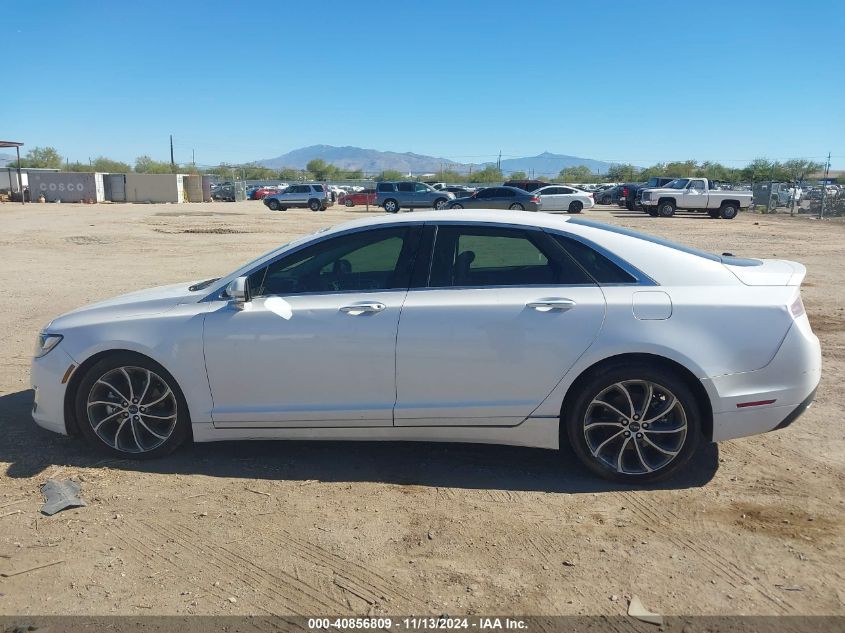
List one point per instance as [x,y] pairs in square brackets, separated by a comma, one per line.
[316,344]
[506,313]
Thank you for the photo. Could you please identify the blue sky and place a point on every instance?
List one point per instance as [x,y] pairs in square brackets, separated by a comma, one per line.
[239,81]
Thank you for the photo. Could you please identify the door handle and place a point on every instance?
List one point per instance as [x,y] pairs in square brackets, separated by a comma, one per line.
[366,307]
[547,305]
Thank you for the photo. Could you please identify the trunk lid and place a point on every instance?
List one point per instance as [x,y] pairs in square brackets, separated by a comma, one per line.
[766,272]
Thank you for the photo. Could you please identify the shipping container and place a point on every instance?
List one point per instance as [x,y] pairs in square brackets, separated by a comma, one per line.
[67,186]
[193,187]
[154,187]
[115,186]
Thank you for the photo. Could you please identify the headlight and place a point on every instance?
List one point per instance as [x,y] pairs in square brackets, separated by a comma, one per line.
[45,343]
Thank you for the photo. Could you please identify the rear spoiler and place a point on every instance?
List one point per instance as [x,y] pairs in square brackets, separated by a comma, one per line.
[769,272]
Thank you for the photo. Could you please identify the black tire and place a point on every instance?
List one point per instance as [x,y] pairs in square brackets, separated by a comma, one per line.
[441,203]
[283,208]
[575,207]
[274,205]
[348,202]
[135,364]
[728,211]
[314,204]
[456,205]
[773,205]
[713,214]
[391,206]
[666,209]
[685,415]
[516,206]
[629,206]
[652,211]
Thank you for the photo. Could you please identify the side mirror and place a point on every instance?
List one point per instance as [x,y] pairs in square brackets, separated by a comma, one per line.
[238,292]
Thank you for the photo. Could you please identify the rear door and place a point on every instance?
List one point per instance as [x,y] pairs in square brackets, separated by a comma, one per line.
[504,315]
[406,194]
[552,198]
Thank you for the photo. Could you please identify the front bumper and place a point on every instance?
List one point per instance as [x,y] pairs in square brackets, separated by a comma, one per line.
[787,384]
[46,376]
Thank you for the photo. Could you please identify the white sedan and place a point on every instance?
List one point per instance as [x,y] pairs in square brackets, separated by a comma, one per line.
[488,326]
[558,198]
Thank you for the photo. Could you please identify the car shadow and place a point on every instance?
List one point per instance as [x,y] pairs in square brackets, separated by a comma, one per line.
[30,451]
[646,216]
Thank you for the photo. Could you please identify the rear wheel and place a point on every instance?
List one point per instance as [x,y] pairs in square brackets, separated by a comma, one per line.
[728,211]
[130,406]
[666,209]
[273,204]
[575,207]
[456,205]
[441,203]
[516,207]
[314,204]
[635,423]
[391,206]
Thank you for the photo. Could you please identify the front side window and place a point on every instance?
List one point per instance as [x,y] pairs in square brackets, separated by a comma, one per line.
[493,256]
[697,185]
[421,187]
[367,260]
[680,183]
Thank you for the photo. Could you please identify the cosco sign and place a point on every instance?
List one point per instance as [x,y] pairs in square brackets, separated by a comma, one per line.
[62,186]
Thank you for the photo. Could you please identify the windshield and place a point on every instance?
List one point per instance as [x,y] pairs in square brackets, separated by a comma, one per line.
[680,183]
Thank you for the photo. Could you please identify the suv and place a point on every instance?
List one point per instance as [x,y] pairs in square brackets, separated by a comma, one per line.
[527,185]
[412,195]
[315,196]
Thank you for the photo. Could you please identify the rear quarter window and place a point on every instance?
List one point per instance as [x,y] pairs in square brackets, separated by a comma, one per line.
[597,265]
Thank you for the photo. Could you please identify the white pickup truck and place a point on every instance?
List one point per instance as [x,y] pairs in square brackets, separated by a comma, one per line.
[694,194]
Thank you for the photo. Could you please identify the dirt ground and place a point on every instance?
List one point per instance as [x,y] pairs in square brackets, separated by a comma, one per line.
[756,527]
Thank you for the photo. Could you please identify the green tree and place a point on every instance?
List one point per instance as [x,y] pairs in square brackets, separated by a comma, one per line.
[391,174]
[622,173]
[146,165]
[321,169]
[289,173]
[518,175]
[576,173]
[76,166]
[798,169]
[46,157]
[491,173]
[103,164]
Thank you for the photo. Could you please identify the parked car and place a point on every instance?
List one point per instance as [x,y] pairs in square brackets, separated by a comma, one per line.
[557,198]
[366,196]
[223,193]
[393,196]
[609,195]
[314,196]
[527,185]
[695,194]
[631,190]
[512,198]
[459,191]
[262,192]
[524,329]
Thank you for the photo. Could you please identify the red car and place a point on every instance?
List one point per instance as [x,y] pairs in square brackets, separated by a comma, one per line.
[263,192]
[367,196]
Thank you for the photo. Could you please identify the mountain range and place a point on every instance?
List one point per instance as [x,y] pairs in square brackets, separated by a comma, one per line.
[373,161]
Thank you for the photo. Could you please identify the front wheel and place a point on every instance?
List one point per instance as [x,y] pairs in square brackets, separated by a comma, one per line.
[666,209]
[516,207]
[634,423]
[130,406]
[575,207]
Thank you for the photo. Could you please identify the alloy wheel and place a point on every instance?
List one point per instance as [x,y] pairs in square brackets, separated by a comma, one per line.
[132,409]
[635,427]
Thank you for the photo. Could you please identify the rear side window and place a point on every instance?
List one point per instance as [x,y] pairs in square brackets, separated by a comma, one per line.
[597,265]
[386,186]
[492,256]
[406,186]
[318,188]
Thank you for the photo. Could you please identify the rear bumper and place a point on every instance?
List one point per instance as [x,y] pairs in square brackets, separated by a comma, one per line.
[772,397]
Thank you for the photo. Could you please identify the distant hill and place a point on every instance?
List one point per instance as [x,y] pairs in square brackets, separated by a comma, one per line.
[367,160]
[548,164]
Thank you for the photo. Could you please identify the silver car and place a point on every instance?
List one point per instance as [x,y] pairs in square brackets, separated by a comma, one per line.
[407,194]
[314,196]
[499,198]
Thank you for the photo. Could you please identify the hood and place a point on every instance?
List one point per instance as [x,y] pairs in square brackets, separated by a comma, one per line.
[141,302]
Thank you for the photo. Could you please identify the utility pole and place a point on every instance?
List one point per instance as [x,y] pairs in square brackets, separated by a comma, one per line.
[824,185]
[499,161]
[193,158]
[172,162]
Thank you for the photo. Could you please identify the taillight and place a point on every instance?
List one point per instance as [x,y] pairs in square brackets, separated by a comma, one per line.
[535,198]
[797,308]
[590,195]
[625,191]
